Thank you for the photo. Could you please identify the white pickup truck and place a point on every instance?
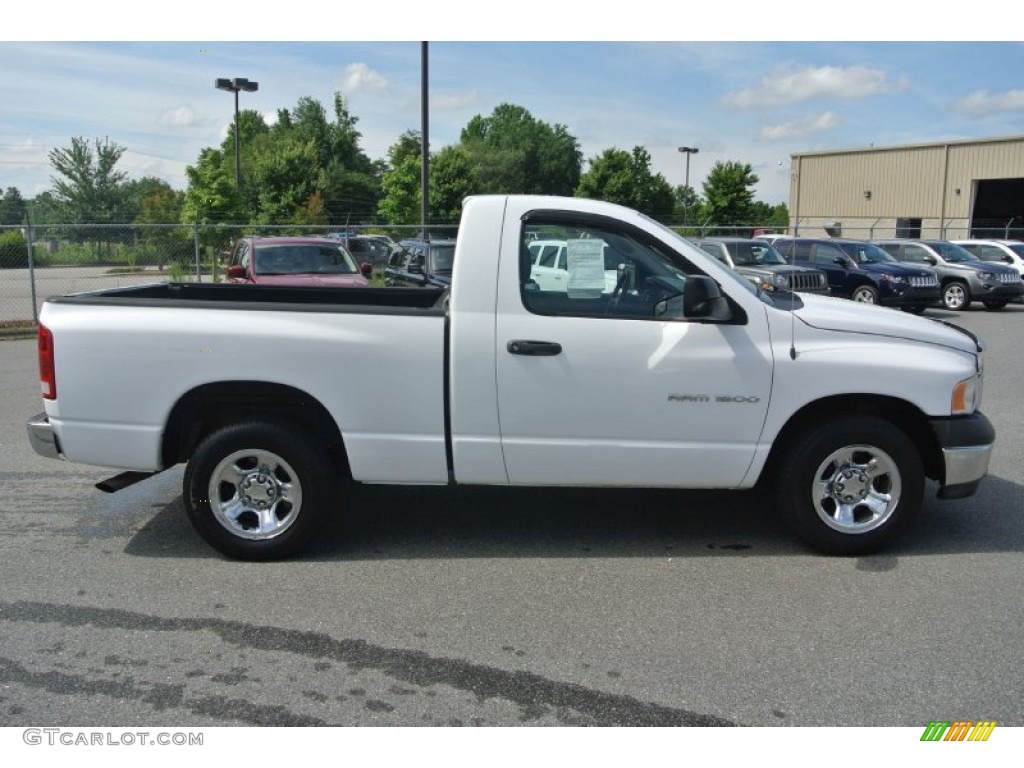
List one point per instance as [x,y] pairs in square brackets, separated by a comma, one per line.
[682,375]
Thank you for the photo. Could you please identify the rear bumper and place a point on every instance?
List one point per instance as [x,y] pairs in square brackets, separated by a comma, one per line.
[42,437]
[966,443]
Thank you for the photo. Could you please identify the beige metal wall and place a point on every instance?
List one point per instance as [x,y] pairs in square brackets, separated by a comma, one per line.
[933,182]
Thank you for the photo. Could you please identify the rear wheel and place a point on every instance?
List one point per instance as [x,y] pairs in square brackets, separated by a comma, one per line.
[865,294]
[851,485]
[258,491]
[956,295]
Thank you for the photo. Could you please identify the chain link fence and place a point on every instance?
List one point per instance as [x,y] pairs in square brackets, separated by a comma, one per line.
[56,259]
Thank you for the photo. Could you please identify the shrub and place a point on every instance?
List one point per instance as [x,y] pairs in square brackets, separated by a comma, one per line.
[13,250]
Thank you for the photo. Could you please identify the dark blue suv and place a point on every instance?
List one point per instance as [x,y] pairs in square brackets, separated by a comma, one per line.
[863,272]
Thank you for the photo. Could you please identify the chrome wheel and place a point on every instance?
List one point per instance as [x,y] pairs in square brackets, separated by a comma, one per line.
[954,296]
[865,295]
[255,494]
[856,489]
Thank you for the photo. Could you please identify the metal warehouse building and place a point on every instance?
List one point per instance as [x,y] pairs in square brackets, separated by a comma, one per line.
[947,190]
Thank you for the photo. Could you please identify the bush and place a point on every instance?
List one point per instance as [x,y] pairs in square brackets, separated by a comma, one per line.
[13,250]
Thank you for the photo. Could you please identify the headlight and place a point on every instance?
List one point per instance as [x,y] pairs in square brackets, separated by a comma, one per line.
[782,281]
[893,278]
[988,276]
[966,396]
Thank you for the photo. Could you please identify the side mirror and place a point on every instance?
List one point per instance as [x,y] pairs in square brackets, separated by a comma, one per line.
[366,269]
[703,300]
[1008,258]
[236,272]
[930,260]
[839,261]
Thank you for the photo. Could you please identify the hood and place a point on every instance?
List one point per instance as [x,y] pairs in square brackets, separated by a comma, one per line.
[775,269]
[326,281]
[896,268]
[831,314]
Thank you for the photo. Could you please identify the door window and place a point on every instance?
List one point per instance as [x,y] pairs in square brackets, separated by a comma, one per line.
[594,270]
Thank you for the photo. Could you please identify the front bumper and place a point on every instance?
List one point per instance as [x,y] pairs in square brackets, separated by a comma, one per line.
[903,295]
[42,437]
[966,443]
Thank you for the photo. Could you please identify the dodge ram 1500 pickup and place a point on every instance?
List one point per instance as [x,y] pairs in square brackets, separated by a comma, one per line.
[680,375]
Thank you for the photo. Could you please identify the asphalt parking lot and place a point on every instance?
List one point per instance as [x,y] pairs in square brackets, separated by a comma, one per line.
[496,607]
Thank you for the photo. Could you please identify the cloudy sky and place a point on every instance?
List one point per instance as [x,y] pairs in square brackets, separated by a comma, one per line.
[753,101]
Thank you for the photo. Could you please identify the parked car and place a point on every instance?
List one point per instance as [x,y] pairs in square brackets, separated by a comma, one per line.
[758,261]
[1009,252]
[963,276]
[549,265]
[865,273]
[367,248]
[684,376]
[421,263]
[295,261]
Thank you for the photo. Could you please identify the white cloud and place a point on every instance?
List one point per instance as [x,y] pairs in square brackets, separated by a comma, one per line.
[179,117]
[800,127]
[982,103]
[359,77]
[453,100]
[787,84]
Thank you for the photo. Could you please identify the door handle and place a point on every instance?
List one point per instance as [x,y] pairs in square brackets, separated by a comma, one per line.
[534,348]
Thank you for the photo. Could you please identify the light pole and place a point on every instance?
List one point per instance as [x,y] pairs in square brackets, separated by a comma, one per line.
[236,85]
[688,151]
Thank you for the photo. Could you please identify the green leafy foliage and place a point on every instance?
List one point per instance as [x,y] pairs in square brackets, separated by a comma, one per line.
[626,178]
[729,194]
[13,250]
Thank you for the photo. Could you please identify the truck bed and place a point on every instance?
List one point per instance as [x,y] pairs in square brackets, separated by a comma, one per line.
[267,297]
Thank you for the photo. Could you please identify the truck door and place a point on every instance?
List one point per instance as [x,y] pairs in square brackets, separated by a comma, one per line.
[594,388]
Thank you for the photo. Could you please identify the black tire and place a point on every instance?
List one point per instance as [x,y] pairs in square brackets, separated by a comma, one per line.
[996,304]
[879,508]
[956,296]
[915,309]
[865,294]
[282,487]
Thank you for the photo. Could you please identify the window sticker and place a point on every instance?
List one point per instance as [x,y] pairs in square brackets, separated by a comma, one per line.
[586,269]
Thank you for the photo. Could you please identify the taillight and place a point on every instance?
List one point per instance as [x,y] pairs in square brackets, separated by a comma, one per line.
[47,374]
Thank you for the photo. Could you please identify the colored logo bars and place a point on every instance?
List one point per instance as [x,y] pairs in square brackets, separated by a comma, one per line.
[958,730]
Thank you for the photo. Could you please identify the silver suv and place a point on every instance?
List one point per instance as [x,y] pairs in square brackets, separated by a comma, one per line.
[963,276]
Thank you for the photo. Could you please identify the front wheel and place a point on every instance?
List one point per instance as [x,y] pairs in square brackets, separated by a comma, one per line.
[956,296]
[257,491]
[865,294]
[851,485]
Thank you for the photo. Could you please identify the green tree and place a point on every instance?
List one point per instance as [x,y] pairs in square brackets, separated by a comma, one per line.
[211,198]
[513,152]
[729,194]
[400,188]
[626,178]
[88,187]
[13,208]
[452,178]
[286,174]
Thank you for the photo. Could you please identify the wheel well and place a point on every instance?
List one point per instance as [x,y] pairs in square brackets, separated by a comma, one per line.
[209,407]
[904,415]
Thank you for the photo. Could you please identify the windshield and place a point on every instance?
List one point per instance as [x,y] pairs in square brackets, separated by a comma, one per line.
[303,259]
[1017,248]
[748,254]
[952,253]
[442,258]
[866,253]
